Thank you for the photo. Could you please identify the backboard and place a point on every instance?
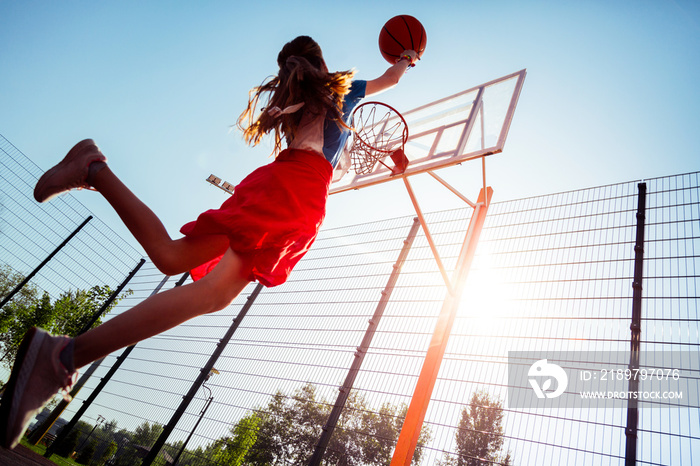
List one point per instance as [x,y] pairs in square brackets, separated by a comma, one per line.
[470,124]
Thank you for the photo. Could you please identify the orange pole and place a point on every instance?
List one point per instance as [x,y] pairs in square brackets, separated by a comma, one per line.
[410,431]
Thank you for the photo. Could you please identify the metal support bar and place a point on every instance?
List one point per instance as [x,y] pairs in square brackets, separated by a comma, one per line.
[111,298]
[476,109]
[428,236]
[483,174]
[636,328]
[103,381]
[204,372]
[483,145]
[453,190]
[362,349]
[410,431]
[41,430]
[7,298]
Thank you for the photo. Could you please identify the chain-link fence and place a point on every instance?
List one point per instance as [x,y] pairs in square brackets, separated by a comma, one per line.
[552,273]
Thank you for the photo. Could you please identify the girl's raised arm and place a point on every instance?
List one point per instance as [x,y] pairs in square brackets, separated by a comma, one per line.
[392,75]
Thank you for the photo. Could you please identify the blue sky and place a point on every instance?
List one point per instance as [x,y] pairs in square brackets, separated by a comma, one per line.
[611,93]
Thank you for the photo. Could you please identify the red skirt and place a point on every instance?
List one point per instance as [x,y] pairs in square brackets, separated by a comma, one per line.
[272,217]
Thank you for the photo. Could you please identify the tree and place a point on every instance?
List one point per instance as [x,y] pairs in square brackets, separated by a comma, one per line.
[9,279]
[108,453]
[364,436]
[109,428]
[128,443]
[19,315]
[68,446]
[231,451]
[479,434]
[75,309]
[146,434]
[17,320]
[65,316]
[106,435]
[126,453]
[287,429]
[85,456]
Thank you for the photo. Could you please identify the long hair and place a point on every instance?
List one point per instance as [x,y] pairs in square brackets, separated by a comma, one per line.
[301,78]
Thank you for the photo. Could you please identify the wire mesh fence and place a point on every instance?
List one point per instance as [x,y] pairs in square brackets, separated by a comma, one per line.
[552,274]
[29,232]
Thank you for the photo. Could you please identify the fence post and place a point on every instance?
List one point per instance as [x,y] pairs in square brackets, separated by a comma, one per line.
[96,316]
[362,349]
[204,372]
[636,328]
[43,263]
[88,401]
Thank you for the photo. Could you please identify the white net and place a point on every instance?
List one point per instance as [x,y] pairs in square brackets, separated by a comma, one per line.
[379,131]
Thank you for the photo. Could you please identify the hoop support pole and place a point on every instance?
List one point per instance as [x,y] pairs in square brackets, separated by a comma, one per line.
[428,236]
[411,429]
[483,175]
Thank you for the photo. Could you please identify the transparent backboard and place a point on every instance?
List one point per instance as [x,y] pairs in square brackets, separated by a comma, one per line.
[470,124]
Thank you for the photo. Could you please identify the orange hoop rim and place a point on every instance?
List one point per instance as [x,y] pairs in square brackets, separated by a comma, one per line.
[392,110]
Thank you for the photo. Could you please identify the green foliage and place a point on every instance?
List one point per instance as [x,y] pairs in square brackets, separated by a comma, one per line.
[479,434]
[21,313]
[231,451]
[67,315]
[368,437]
[77,308]
[109,427]
[287,429]
[126,454]
[85,456]
[9,279]
[196,457]
[68,446]
[108,453]
[114,446]
[146,434]
[283,432]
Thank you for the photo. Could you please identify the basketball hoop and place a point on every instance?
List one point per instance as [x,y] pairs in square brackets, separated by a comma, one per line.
[380,131]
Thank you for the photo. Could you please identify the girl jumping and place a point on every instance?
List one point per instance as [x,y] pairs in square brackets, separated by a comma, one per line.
[258,234]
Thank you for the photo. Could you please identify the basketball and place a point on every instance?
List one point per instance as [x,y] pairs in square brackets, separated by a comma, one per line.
[401,33]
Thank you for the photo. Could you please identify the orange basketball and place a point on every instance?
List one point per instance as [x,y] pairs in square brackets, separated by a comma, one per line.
[401,33]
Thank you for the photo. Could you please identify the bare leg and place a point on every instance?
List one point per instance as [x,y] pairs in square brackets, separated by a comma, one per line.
[170,256]
[165,310]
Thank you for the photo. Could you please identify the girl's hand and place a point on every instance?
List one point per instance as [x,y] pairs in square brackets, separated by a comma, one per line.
[393,75]
[409,55]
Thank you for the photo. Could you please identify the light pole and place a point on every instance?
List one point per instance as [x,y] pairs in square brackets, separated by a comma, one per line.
[201,414]
[99,420]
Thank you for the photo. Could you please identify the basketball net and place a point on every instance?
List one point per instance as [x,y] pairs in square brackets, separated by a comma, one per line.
[379,131]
